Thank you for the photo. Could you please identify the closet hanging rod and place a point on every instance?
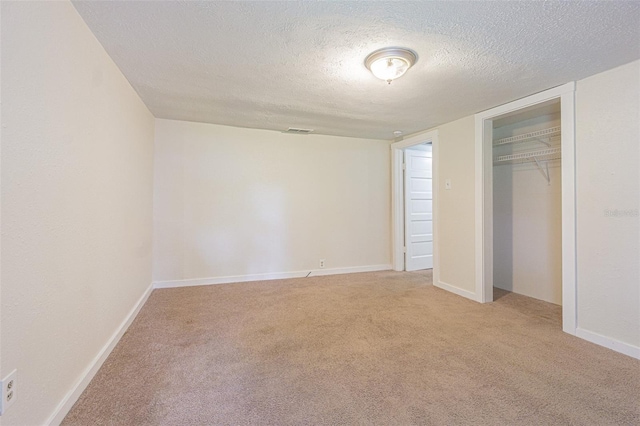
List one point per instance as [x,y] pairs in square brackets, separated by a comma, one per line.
[544,133]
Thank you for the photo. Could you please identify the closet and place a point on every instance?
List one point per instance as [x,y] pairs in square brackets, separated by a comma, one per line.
[527,201]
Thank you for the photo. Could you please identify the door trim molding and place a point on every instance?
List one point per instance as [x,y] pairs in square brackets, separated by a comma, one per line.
[397,198]
[484,197]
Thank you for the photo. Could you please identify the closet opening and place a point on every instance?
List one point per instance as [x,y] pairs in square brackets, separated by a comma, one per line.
[525,200]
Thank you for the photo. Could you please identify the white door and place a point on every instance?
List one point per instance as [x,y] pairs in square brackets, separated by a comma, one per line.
[418,208]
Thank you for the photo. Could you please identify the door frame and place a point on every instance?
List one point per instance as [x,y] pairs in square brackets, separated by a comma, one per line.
[484,196]
[397,197]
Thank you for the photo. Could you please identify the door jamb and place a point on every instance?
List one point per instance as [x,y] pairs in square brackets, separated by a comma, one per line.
[484,197]
[397,198]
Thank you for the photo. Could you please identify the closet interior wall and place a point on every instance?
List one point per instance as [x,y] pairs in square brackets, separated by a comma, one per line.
[527,199]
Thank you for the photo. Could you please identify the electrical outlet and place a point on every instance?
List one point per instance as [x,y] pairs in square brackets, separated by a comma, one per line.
[321,263]
[9,391]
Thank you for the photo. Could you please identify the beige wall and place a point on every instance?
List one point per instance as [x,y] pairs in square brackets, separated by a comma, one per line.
[76,202]
[607,179]
[235,202]
[456,207]
[607,164]
[76,172]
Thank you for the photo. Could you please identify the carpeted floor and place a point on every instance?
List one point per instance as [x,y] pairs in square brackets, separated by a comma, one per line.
[374,348]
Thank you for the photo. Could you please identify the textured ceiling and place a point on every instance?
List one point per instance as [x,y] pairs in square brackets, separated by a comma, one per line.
[274,65]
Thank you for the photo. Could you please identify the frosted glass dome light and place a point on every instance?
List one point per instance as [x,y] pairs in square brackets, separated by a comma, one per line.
[390,63]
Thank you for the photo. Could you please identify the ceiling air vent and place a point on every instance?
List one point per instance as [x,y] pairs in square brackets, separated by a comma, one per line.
[298,131]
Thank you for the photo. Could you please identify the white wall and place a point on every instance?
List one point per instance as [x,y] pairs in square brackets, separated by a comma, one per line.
[77,159]
[455,220]
[607,164]
[527,218]
[232,202]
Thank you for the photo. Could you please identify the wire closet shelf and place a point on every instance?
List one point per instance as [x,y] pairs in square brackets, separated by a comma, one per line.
[541,157]
[543,136]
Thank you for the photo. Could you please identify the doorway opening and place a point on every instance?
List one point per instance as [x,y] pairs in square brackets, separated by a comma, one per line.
[418,207]
[414,203]
[525,200]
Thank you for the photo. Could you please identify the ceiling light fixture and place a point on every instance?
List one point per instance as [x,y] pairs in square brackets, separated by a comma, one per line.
[390,63]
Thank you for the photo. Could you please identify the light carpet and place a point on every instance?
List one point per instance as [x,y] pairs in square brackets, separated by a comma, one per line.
[382,348]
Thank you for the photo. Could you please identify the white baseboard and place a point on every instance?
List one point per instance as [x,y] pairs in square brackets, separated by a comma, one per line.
[607,342]
[456,290]
[81,384]
[350,270]
[268,276]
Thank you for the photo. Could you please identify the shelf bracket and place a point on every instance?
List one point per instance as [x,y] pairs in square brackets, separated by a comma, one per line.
[545,170]
[547,142]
